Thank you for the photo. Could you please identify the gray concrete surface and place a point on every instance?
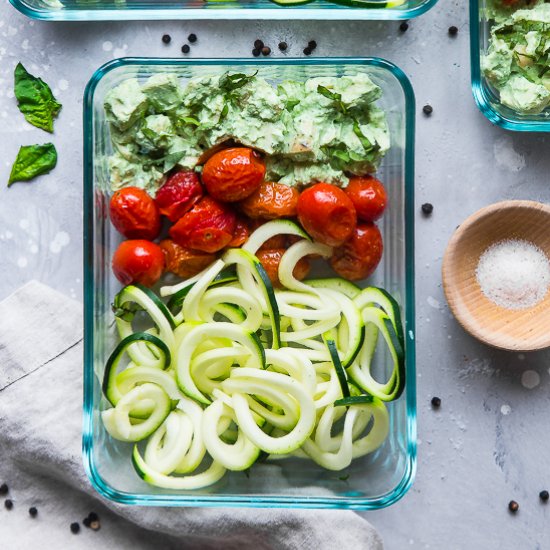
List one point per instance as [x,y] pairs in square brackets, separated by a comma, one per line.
[489,441]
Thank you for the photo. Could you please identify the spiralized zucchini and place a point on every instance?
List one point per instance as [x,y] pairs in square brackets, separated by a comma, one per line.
[233,369]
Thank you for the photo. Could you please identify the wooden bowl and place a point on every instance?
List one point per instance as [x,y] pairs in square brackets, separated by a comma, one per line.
[517,330]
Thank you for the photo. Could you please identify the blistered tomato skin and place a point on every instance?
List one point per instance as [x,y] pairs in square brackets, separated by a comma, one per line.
[241,234]
[178,195]
[270,260]
[368,196]
[327,214]
[134,214]
[209,226]
[358,257]
[231,175]
[270,201]
[182,261]
[138,261]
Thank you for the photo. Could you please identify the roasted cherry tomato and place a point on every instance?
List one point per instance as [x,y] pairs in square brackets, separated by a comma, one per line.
[134,213]
[184,262]
[271,200]
[233,174]
[138,261]
[209,226]
[360,255]
[327,214]
[242,232]
[178,195]
[368,196]
[271,258]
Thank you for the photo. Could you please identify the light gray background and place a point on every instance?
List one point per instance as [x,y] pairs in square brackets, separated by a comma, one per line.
[489,441]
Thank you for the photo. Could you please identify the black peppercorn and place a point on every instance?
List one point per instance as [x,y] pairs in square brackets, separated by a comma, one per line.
[427,208]
[404,27]
[92,516]
[513,506]
[453,31]
[307,51]
[266,50]
[427,110]
[192,38]
[283,46]
[86,522]
[258,44]
[75,528]
[8,503]
[544,496]
[436,402]
[256,52]
[33,512]
[312,45]
[166,38]
[4,489]
[185,48]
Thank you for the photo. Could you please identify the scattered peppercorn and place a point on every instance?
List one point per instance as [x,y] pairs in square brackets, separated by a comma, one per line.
[312,45]
[86,522]
[453,31]
[75,527]
[404,27]
[33,512]
[256,52]
[266,50]
[427,208]
[95,525]
[544,496]
[283,46]
[92,516]
[258,44]
[307,51]
[8,503]
[192,38]
[427,110]
[436,402]
[4,489]
[166,38]
[185,48]
[513,506]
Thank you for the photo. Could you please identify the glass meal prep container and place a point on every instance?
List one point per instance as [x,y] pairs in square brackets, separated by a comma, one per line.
[89,10]
[374,481]
[486,97]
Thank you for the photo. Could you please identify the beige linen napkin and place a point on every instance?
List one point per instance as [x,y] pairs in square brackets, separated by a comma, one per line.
[40,457]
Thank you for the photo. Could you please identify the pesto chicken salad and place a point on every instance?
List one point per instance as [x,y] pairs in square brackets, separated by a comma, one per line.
[323,129]
[517,62]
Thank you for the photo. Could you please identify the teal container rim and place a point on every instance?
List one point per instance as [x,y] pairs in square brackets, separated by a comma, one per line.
[270,501]
[337,13]
[481,90]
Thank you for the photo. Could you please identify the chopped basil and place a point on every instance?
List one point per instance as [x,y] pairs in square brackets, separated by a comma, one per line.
[337,98]
[35,99]
[33,161]
[231,82]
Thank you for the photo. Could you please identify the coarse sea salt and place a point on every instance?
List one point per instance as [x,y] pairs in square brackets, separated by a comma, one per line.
[514,274]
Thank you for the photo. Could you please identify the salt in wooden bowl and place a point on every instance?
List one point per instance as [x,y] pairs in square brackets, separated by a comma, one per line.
[518,329]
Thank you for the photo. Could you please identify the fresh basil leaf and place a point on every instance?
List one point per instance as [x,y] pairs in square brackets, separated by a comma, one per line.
[367,145]
[231,82]
[32,161]
[333,96]
[191,120]
[35,99]
[224,112]
[291,103]
[328,94]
